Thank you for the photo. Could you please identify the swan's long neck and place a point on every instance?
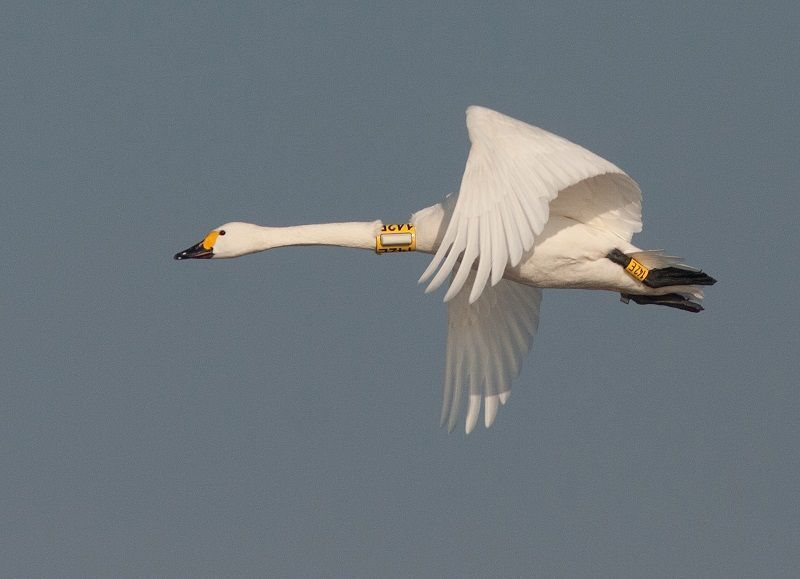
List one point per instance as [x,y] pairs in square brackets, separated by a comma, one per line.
[360,235]
[429,224]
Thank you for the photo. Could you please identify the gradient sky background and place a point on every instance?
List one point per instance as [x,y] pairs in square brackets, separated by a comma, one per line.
[238,417]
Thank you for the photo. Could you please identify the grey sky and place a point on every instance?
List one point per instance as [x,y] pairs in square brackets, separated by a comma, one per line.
[237,417]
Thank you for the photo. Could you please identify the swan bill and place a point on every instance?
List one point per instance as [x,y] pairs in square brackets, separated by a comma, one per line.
[198,251]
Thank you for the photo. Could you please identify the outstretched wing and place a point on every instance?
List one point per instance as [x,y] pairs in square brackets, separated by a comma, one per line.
[513,172]
[486,343]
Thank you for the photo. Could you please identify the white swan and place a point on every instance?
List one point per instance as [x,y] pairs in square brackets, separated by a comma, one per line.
[534,211]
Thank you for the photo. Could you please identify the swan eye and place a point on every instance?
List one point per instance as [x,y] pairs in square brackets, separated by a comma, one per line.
[222,232]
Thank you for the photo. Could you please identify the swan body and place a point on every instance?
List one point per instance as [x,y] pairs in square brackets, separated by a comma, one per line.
[533,211]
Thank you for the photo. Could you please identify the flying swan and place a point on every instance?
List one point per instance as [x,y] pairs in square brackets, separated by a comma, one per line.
[533,211]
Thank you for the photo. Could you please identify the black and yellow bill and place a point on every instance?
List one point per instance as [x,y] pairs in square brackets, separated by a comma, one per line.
[202,250]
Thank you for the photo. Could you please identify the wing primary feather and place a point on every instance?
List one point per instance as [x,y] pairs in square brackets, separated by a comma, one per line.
[458,246]
[523,227]
[519,338]
[484,262]
[473,412]
[498,372]
[474,369]
[536,215]
[447,241]
[490,409]
[470,253]
[499,248]
[449,380]
[512,235]
[457,390]
[509,361]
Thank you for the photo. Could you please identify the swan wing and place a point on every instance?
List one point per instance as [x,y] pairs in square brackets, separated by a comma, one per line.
[513,172]
[486,344]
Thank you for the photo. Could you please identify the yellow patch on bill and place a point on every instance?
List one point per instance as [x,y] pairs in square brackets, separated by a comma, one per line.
[210,239]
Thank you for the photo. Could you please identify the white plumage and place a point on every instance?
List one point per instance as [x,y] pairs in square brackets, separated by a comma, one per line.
[486,344]
[513,172]
[533,211]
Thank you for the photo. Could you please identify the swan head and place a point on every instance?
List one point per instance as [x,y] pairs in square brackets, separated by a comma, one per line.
[229,240]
